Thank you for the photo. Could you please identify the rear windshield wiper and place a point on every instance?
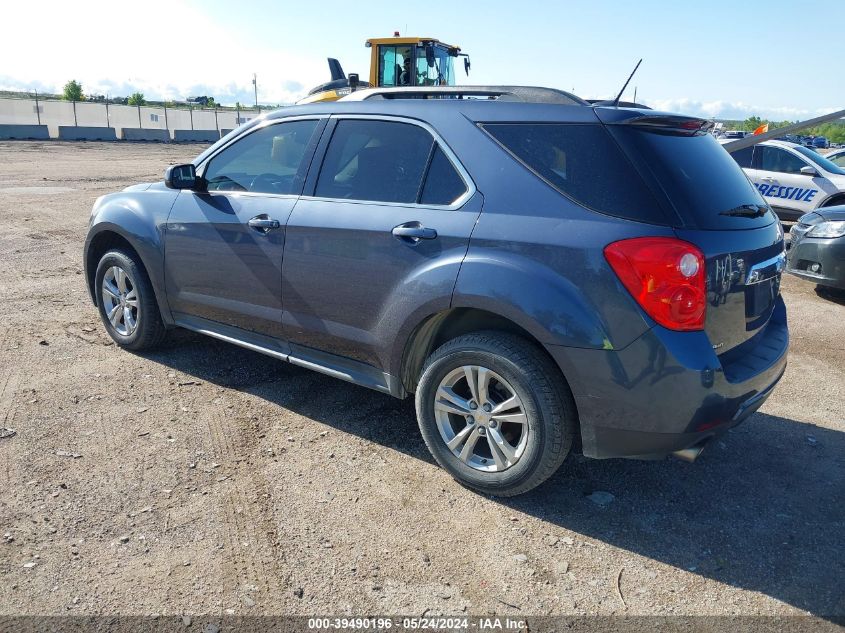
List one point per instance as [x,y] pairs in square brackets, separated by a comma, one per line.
[747,211]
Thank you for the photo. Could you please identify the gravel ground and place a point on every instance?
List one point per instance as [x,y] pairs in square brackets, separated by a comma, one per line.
[207,479]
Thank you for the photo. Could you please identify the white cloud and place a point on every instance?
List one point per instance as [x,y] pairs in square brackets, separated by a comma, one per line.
[735,110]
[164,49]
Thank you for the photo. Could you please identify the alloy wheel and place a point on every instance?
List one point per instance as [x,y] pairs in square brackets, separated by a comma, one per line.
[481,418]
[120,300]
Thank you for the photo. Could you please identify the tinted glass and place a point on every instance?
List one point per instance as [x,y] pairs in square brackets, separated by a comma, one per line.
[838,159]
[265,161]
[702,181]
[382,161]
[743,157]
[776,159]
[583,163]
[443,185]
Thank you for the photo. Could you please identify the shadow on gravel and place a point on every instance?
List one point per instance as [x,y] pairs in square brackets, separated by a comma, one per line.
[763,508]
[831,294]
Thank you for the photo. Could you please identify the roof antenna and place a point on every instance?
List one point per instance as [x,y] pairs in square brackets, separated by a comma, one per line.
[631,76]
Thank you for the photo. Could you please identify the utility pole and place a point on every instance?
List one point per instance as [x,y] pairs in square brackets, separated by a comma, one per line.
[255,86]
[37,111]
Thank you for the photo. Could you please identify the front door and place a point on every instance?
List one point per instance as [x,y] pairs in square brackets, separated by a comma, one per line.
[382,236]
[224,246]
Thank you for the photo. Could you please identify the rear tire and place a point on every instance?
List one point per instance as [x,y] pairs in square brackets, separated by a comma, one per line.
[127,303]
[510,431]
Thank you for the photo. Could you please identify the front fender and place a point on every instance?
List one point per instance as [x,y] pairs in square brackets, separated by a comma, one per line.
[138,217]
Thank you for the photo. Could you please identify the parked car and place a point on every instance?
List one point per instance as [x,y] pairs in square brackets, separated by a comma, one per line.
[820,142]
[536,274]
[732,135]
[817,252]
[794,179]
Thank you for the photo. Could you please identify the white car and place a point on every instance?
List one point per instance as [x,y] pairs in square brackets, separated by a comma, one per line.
[793,179]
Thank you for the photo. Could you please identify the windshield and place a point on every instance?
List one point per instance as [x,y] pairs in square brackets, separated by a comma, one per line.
[440,73]
[820,160]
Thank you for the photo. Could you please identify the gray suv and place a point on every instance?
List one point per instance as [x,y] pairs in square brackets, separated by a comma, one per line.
[541,273]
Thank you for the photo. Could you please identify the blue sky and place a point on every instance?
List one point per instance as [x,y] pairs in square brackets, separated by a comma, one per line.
[716,58]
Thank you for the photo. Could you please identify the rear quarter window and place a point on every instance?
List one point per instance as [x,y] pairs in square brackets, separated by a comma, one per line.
[584,163]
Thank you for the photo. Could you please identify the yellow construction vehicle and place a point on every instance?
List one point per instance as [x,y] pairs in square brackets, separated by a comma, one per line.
[395,61]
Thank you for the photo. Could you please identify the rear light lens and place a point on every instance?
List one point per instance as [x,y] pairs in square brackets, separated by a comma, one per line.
[665,276]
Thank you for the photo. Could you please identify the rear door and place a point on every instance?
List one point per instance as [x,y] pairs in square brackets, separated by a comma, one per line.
[379,233]
[224,246]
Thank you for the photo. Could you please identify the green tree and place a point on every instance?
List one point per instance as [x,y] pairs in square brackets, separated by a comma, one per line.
[136,99]
[73,91]
[211,103]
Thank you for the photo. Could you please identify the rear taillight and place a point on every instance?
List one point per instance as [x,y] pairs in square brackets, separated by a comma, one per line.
[665,276]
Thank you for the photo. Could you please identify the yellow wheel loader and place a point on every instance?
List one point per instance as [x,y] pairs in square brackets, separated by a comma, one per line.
[395,61]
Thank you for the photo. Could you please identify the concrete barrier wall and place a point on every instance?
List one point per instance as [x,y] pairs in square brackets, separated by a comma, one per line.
[224,132]
[36,132]
[196,136]
[89,114]
[79,133]
[135,134]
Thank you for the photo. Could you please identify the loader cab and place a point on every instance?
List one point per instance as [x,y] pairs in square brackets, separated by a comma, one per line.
[413,61]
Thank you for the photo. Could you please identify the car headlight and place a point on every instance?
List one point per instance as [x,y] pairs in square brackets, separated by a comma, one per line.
[827,229]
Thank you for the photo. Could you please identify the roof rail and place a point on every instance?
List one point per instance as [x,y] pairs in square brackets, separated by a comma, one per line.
[529,94]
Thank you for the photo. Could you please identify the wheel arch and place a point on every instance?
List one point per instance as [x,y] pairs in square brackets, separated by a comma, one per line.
[449,324]
[835,199]
[110,238]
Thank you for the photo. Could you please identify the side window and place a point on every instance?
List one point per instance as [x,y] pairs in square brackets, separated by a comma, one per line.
[743,156]
[265,161]
[583,162]
[443,185]
[395,68]
[382,161]
[777,159]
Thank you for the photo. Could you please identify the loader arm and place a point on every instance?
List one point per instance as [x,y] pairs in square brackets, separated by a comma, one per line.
[748,141]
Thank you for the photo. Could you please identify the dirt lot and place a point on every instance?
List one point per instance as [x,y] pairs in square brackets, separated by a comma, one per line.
[204,478]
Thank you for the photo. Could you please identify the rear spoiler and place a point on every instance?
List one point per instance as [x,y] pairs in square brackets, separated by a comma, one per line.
[669,124]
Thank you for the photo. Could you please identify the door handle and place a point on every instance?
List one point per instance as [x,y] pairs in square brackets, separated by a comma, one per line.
[263,223]
[768,179]
[413,232]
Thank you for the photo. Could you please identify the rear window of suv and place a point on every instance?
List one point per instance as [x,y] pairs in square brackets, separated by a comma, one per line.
[582,162]
[706,187]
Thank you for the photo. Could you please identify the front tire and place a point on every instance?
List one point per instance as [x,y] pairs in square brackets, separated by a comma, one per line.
[495,412]
[127,303]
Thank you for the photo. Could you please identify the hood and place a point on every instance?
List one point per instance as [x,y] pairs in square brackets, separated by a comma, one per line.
[144,186]
[139,187]
[825,214]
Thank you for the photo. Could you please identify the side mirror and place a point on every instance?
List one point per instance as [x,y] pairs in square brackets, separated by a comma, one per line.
[466,65]
[181,177]
[809,171]
[353,82]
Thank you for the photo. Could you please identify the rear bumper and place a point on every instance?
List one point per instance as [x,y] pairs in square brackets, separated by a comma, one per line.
[668,391]
[828,254]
